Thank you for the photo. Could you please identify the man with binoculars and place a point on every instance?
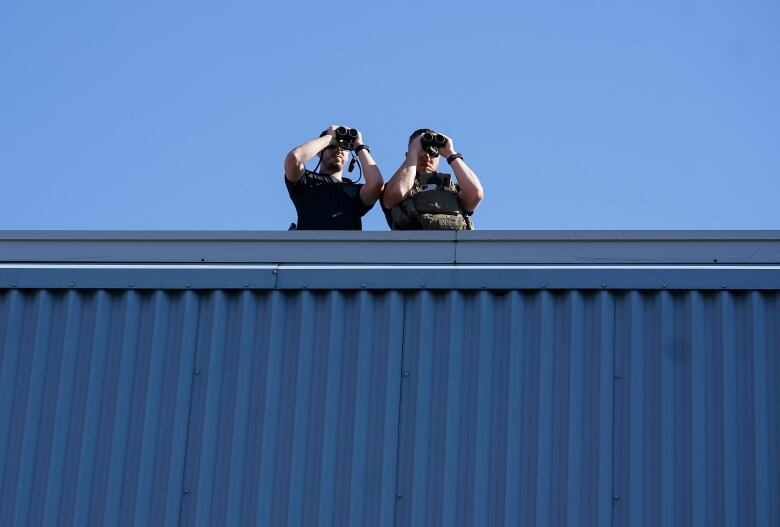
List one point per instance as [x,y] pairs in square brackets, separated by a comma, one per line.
[326,200]
[418,197]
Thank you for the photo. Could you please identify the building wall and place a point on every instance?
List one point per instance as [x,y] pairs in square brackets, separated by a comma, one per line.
[389,407]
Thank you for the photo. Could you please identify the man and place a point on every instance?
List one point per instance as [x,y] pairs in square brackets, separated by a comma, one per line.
[419,197]
[325,199]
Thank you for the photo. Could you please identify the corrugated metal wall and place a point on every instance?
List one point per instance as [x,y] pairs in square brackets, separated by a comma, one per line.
[697,440]
[389,408]
[506,415]
[95,392]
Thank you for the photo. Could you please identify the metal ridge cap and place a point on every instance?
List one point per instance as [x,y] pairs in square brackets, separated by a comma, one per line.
[618,235]
[380,267]
[551,235]
[220,235]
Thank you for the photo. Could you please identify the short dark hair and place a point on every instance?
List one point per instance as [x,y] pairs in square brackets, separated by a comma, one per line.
[420,131]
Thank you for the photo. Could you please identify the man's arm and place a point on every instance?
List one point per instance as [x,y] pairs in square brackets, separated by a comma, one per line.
[295,162]
[374,182]
[471,192]
[403,179]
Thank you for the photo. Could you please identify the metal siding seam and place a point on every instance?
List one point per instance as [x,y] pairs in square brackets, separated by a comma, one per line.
[357,492]
[514,411]
[94,400]
[746,440]
[181,426]
[409,349]
[34,411]
[607,388]
[762,413]
[238,450]
[152,405]
[8,377]
[392,410]
[577,410]
[271,409]
[211,433]
[529,410]
[773,372]
[653,453]
[454,411]
[730,417]
[123,405]
[636,448]
[62,419]
[699,410]
[406,422]
[422,433]
[330,430]
[684,417]
[716,486]
[669,397]
[483,423]
[300,432]
[546,395]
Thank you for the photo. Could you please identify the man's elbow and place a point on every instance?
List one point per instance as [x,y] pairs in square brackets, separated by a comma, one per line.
[375,187]
[292,165]
[472,200]
[370,193]
[391,197]
[293,158]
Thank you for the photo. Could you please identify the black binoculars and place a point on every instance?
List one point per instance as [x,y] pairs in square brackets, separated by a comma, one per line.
[346,137]
[432,142]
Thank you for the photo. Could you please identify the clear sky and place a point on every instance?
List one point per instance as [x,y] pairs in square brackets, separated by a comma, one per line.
[575,115]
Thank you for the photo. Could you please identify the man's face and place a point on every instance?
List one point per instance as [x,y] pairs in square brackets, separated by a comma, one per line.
[333,159]
[427,163]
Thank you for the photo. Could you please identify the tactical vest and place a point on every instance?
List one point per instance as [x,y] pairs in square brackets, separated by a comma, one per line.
[432,204]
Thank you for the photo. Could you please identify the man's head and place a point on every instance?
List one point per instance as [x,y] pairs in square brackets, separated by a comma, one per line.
[425,161]
[332,158]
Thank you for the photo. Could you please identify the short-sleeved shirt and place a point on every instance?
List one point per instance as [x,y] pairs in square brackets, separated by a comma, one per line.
[325,204]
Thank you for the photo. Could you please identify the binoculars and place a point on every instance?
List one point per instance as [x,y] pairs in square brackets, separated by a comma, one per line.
[346,137]
[432,142]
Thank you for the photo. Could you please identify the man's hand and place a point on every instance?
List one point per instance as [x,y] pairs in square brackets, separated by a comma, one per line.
[331,131]
[448,149]
[471,192]
[415,149]
[359,138]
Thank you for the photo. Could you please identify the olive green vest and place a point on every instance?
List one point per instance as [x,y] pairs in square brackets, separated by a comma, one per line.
[431,204]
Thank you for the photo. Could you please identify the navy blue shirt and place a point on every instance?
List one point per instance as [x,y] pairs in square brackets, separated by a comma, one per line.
[325,204]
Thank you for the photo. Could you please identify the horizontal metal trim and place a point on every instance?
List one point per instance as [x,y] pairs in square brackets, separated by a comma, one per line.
[420,247]
[135,266]
[522,267]
[54,276]
[531,277]
[479,235]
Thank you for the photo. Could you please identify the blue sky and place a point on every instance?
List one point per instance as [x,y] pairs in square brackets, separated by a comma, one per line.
[575,115]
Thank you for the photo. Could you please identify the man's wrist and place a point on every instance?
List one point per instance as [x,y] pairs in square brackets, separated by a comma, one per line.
[452,157]
[360,147]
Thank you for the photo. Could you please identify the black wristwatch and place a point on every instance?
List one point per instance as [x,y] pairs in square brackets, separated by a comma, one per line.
[453,157]
[358,148]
